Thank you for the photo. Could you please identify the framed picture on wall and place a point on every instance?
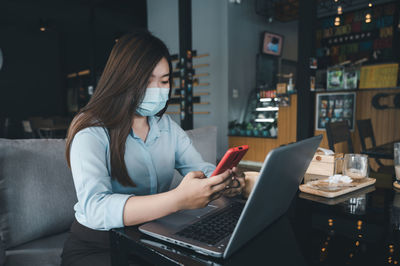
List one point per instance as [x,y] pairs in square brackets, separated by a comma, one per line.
[334,107]
[272,44]
[335,79]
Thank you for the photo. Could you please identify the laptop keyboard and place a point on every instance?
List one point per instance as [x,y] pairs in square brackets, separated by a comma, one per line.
[214,228]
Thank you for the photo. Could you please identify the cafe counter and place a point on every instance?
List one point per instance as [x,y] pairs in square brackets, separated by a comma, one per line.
[260,146]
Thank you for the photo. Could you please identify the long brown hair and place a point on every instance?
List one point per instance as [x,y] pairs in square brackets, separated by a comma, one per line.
[119,92]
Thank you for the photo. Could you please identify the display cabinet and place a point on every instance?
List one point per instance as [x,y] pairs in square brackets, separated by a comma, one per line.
[267,124]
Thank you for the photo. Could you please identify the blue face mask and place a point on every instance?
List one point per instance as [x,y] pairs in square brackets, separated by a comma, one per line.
[153,102]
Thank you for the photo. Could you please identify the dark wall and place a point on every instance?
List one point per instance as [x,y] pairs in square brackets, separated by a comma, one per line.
[30,77]
[79,36]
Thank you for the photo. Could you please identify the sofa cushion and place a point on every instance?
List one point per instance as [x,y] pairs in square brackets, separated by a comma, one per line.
[42,252]
[205,141]
[37,193]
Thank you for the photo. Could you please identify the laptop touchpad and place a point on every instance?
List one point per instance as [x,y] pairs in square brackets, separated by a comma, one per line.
[200,212]
[178,219]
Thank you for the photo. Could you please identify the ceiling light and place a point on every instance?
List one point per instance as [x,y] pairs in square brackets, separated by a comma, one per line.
[337,21]
[339,10]
[368,18]
[43,25]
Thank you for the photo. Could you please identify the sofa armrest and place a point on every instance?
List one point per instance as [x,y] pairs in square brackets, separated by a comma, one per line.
[2,253]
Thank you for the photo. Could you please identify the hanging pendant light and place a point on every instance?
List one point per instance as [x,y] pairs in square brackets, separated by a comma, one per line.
[368,18]
[337,21]
[339,10]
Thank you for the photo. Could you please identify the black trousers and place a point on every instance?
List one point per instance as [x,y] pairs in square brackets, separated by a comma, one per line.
[86,246]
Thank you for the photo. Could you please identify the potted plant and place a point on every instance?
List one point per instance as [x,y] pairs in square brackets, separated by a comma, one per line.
[232,126]
[265,131]
[242,128]
[249,129]
[257,129]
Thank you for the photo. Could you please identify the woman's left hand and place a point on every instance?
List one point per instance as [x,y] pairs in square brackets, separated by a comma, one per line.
[236,185]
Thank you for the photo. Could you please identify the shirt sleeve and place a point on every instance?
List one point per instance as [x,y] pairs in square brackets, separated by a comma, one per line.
[187,158]
[102,208]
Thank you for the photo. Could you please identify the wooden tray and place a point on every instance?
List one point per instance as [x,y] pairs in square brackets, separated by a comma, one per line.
[337,191]
[338,199]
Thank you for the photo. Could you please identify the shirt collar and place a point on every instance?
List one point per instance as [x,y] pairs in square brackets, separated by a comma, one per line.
[154,131]
[156,126]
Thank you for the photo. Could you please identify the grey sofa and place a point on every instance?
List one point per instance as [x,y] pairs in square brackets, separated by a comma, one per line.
[37,197]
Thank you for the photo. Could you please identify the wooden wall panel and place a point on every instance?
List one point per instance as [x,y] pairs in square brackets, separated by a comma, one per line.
[385,123]
[259,147]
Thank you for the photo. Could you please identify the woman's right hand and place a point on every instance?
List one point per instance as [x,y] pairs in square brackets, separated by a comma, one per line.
[196,190]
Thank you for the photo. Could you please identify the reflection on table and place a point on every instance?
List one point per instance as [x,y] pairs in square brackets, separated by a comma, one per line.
[361,228]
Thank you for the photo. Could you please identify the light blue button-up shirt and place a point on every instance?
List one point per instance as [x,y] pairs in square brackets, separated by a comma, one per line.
[150,165]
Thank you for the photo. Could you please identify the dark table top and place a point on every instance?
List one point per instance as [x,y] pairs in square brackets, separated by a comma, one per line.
[384,151]
[360,228]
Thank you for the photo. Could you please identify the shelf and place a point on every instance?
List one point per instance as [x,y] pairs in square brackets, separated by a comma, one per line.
[268,99]
[196,113]
[198,85]
[331,91]
[201,65]
[263,120]
[177,104]
[197,56]
[201,75]
[196,76]
[353,90]
[80,73]
[267,109]
[194,66]
[194,95]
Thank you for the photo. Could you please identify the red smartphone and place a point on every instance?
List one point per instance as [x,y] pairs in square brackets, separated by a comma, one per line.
[231,159]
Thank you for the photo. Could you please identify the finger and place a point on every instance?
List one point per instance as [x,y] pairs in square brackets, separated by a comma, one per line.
[221,186]
[218,179]
[232,192]
[227,192]
[237,172]
[215,196]
[197,174]
[235,183]
[241,181]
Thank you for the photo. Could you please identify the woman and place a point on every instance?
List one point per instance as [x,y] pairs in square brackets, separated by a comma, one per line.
[123,151]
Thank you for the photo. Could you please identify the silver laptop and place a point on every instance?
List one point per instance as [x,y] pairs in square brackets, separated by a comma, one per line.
[226,224]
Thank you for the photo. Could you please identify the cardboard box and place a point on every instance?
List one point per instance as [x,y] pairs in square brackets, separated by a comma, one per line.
[325,164]
[281,88]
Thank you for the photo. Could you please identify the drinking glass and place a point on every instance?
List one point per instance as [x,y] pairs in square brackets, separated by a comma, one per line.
[397,160]
[355,165]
